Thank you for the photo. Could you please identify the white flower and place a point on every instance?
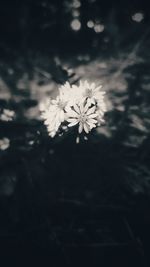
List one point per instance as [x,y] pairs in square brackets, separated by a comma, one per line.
[70,94]
[90,92]
[57,107]
[83,115]
[54,114]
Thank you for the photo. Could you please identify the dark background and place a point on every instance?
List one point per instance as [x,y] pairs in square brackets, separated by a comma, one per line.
[63,203]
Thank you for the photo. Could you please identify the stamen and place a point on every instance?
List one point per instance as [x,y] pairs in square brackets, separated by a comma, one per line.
[61,104]
[82,118]
[88,93]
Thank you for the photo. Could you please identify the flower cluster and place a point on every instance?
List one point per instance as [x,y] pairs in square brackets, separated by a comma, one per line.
[82,106]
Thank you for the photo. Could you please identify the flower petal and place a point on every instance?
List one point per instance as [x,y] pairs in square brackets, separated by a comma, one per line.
[91,116]
[71,119]
[72,123]
[86,128]
[62,115]
[92,86]
[76,108]
[81,108]
[72,113]
[92,121]
[86,107]
[91,125]
[91,110]
[80,127]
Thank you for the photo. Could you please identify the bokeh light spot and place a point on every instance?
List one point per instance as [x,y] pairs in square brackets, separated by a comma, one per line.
[138,17]
[76,4]
[75,25]
[4,143]
[99,28]
[90,24]
[7,115]
[75,13]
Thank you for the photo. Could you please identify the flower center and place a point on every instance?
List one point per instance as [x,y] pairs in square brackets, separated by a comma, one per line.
[61,104]
[88,93]
[82,118]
